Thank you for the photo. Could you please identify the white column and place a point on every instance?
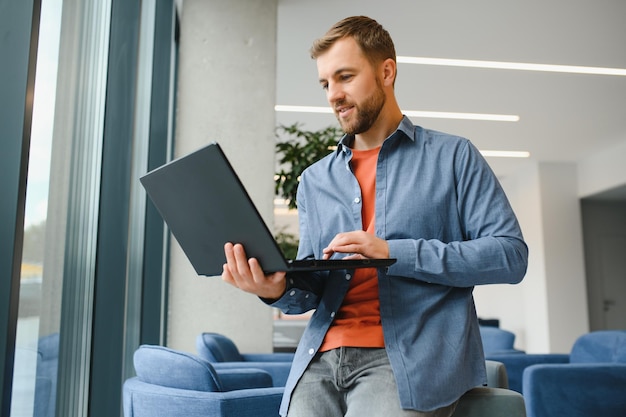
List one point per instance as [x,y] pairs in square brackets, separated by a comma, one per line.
[226,93]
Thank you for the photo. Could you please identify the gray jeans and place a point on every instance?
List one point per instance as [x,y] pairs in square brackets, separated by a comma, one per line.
[352,382]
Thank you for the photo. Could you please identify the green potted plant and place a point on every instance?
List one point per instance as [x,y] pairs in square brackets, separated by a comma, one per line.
[300,149]
[297,149]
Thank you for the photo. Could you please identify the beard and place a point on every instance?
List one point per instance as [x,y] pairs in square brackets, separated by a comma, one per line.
[366,113]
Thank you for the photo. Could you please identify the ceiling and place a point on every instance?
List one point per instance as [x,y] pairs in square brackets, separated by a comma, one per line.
[563,117]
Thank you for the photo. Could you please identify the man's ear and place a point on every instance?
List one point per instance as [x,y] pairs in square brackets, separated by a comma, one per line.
[389,72]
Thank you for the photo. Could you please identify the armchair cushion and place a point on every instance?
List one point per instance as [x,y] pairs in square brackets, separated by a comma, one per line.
[268,357]
[244,378]
[278,371]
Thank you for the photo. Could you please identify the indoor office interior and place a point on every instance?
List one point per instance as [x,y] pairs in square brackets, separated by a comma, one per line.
[95,94]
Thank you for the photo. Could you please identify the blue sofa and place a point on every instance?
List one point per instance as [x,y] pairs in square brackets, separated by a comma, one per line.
[589,381]
[222,353]
[171,383]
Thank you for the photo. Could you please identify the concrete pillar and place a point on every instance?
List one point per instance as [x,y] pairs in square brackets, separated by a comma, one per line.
[226,93]
[568,315]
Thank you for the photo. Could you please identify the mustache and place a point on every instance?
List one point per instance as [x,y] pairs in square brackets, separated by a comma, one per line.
[341,103]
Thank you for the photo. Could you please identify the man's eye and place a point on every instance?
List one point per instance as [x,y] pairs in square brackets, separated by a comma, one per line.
[346,77]
[324,86]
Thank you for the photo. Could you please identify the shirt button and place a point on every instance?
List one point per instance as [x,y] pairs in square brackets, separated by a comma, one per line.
[357,200]
[332,314]
[311,351]
[292,293]
[348,277]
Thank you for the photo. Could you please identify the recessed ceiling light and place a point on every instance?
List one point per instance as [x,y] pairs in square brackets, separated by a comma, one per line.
[511,65]
[413,113]
[474,116]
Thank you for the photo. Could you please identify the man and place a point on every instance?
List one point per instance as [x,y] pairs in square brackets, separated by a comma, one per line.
[400,341]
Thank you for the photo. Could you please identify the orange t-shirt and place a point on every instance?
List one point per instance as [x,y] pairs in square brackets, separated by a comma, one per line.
[357,323]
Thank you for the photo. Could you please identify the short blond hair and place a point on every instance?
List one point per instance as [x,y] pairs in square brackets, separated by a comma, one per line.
[374,40]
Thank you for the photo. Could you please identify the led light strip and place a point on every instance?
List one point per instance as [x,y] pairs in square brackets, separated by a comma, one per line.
[511,66]
[473,116]
[463,116]
[413,113]
[506,154]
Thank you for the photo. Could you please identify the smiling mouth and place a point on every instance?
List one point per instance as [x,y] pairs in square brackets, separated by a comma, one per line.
[343,110]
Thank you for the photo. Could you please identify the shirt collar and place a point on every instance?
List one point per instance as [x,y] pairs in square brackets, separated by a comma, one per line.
[406,126]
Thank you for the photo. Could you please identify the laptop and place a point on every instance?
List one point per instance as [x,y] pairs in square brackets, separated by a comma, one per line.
[205,205]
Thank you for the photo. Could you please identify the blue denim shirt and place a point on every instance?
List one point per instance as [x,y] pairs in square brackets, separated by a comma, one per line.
[449,225]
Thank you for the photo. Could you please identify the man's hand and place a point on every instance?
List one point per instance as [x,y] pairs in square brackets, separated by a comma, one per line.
[247,274]
[358,244]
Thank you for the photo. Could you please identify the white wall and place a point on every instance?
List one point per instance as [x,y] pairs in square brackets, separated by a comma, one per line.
[548,310]
[603,170]
[226,93]
[518,305]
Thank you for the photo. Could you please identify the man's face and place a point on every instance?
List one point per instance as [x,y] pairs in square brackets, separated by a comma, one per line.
[353,89]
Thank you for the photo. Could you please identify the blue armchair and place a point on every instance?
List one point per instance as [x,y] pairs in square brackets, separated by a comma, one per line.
[591,380]
[575,390]
[170,383]
[594,347]
[222,353]
[497,340]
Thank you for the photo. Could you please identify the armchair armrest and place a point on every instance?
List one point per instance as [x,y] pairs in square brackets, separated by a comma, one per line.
[496,374]
[515,364]
[575,390]
[490,402]
[244,378]
[144,400]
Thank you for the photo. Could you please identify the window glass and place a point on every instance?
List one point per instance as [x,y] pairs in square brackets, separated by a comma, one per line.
[34,377]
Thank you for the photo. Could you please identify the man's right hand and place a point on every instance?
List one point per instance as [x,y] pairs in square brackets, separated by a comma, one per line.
[246,274]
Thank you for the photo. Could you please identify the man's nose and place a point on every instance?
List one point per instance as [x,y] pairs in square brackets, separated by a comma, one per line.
[334,93]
